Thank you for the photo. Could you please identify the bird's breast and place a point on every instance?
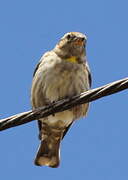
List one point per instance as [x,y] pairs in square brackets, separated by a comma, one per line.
[65,80]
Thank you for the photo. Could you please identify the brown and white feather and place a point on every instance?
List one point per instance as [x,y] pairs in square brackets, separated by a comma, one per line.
[56,78]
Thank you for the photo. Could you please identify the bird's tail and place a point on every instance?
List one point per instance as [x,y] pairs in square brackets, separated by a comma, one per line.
[49,150]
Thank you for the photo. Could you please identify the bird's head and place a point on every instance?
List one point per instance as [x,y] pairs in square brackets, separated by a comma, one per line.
[72,44]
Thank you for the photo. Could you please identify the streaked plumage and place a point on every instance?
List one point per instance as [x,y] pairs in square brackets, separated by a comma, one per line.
[62,72]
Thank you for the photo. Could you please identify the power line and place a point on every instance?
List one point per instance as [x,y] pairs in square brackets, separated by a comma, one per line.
[64,104]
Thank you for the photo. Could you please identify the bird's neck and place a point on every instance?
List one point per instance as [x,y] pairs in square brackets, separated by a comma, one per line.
[68,56]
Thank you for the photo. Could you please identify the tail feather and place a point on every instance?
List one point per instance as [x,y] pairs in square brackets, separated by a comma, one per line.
[49,152]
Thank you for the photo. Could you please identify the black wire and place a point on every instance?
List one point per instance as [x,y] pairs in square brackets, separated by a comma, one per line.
[64,104]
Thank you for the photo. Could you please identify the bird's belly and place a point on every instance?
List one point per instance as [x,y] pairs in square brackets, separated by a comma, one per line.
[60,120]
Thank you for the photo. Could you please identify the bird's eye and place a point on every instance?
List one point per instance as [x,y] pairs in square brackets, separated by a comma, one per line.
[68,36]
[83,39]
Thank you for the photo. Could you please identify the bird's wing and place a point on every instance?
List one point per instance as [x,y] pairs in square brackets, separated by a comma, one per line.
[36,69]
[66,130]
[47,54]
[89,74]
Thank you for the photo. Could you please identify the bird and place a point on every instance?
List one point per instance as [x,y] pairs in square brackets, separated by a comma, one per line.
[62,72]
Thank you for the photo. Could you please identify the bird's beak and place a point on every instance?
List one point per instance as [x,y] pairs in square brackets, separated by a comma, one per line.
[79,42]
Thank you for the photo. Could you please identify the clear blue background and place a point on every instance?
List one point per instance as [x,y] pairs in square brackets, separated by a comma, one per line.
[96,148]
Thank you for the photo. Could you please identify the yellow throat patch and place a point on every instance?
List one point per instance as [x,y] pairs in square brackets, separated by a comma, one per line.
[72,59]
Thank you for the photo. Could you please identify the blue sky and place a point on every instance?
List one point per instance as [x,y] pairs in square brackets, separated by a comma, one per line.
[95,147]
